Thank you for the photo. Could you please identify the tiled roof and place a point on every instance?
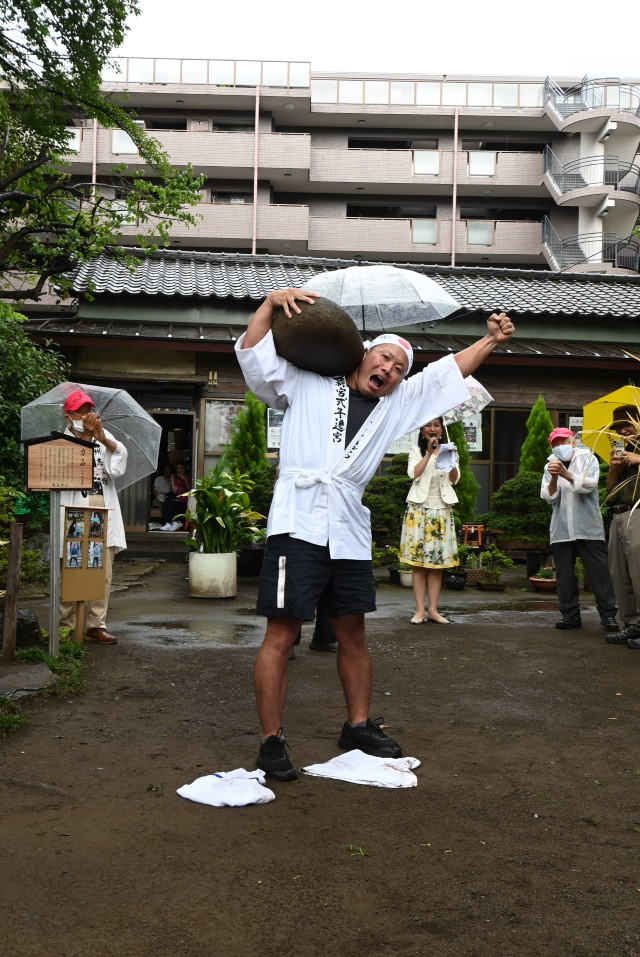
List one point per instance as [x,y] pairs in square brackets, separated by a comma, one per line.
[238,276]
[227,334]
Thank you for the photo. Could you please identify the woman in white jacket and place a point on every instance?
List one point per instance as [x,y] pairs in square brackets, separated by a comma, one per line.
[428,540]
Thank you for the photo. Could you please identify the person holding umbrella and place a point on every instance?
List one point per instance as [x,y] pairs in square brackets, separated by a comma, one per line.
[111,462]
[623,485]
[334,433]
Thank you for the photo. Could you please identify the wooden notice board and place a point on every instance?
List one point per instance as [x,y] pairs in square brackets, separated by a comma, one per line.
[63,462]
[83,553]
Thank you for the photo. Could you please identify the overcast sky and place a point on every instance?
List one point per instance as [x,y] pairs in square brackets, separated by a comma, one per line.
[468,36]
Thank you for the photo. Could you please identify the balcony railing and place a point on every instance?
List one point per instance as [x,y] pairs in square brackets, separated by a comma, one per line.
[592,248]
[593,95]
[426,93]
[592,171]
[230,73]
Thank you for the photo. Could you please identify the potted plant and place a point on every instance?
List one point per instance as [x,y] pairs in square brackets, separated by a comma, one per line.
[456,578]
[221,517]
[493,562]
[544,579]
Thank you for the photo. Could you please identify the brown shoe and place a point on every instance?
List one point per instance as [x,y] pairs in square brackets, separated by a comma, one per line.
[101,635]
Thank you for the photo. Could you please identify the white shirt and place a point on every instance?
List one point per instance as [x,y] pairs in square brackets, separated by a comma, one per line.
[318,495]
[114,464]
[576,509]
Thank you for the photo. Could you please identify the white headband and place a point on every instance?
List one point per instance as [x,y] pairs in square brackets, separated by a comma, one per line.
[392,339]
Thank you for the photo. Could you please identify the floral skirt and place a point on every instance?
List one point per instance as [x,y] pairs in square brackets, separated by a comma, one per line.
[428,538]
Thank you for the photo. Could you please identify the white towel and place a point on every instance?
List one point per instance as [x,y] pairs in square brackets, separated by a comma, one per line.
[228,789]
[360,768]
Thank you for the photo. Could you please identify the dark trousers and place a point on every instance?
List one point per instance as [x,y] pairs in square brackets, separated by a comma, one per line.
[172,507]
[593,555]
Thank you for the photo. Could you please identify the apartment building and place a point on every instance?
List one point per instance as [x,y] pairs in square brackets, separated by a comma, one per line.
[465,170]
[513,192]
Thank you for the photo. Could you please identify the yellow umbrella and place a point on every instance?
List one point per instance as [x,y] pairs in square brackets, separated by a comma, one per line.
[598,415]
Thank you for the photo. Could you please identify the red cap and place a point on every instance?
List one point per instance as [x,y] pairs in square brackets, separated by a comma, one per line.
[77,399]
[561,433]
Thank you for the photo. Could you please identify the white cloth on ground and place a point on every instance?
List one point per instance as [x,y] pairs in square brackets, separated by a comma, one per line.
[228,789]
[360,768]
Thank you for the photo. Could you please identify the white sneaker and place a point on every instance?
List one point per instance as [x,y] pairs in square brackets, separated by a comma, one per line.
[168,527]
[175,527]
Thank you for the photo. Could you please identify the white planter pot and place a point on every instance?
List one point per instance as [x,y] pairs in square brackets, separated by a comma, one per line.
[406,579]
[212,576]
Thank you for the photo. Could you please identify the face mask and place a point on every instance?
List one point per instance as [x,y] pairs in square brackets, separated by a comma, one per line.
[563,452]
[78,425]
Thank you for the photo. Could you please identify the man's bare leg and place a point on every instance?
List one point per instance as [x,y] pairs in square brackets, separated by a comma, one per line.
[271,671]
[354,665]
[354,668]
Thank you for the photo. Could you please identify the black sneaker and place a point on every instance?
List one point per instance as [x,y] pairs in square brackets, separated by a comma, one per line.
[569,621]
[609,623]
[630,633]
[274,760]
[370,739]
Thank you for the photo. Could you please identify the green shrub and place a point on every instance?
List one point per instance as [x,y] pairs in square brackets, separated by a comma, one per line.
[468,486]
[247,452]
[386,498]
[535,448]
[517,510]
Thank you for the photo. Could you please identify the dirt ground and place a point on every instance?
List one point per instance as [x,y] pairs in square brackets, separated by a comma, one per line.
[522,837]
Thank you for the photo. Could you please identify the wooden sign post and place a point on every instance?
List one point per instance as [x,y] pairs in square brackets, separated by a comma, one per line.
[58,462]
[85,542]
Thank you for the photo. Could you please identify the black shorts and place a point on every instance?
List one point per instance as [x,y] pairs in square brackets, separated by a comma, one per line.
[295,574]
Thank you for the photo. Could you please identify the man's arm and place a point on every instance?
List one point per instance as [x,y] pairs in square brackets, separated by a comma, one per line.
[262,320]
[499,329]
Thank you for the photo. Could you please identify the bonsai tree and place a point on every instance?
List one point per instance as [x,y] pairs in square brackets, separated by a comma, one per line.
[518,512]
[247,452]
[223,518]
[493,562]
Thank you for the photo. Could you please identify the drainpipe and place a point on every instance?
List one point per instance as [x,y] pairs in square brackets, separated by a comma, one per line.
[455,186]
[94,160]
[256,158]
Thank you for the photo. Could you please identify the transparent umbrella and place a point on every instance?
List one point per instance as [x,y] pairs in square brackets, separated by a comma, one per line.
[384,297]
[121,415]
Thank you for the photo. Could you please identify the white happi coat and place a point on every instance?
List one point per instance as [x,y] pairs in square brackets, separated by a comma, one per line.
[318,495]
[114,465]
